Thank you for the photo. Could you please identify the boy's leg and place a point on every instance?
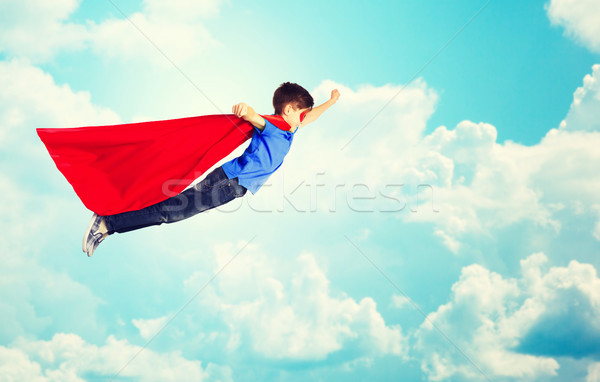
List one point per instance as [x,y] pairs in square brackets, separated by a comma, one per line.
[214,190]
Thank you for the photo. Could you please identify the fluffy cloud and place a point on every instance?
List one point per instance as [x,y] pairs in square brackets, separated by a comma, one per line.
[579,18]
[16,366]
[400,301]
[299,319]
[584,114]
[149,328]
[353,155]
[67,357]
[479,185]
[514,327]
[32,293]
[174,27]
[30,98]
[461,180]
[40,29]
[593,372]
[484,185]
[34,298]
[365,131]
[567,303]
[183,10]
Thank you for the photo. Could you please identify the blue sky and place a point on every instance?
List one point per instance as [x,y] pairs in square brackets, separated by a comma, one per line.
[456,237]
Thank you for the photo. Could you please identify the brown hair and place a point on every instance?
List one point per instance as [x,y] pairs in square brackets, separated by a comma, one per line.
[291,93]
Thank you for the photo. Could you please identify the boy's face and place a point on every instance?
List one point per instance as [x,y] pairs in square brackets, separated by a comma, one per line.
[294,116]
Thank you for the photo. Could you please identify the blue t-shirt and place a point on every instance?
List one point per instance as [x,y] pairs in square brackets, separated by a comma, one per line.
[262,157]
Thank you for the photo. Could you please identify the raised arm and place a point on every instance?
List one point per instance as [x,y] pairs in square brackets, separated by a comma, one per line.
[247,113]
[316,112]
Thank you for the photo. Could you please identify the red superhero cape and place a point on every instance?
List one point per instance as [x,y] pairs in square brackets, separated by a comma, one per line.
[127,167]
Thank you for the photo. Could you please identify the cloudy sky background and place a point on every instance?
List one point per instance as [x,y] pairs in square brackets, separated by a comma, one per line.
[440,222]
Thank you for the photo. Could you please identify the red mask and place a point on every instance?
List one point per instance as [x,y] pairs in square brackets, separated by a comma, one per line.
[302,115]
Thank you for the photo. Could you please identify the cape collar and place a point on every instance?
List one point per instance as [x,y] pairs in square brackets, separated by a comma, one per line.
[278,121]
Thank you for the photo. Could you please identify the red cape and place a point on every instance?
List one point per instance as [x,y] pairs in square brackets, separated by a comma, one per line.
[127,167]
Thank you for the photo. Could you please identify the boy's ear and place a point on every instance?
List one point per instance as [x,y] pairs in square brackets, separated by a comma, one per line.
[287,109]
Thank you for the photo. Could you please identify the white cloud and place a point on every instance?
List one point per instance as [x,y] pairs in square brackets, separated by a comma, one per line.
[450,242]
[183,10]
[362,128]
[40,29]
[475,183]
[486,184]
[298,319]
[593,373]
[579,18]
[461,180]
[171,26]
[30,98]
[67,357]
[33,296]
[584,113]
[150,327]
[16,366]
[505,326]
[596,231]
[399,302]
[480,185]
[479,301]
[353,154]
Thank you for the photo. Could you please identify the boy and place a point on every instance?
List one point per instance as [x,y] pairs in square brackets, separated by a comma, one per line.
[270,143]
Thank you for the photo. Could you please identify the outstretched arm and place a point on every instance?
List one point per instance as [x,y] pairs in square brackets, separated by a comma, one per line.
[316,112]
[241,110]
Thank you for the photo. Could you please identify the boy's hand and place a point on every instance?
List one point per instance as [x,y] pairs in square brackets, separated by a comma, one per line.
[335,95]
[240,110]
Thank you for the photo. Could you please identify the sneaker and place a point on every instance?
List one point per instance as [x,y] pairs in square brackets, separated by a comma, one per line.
[92,229]
[93,244]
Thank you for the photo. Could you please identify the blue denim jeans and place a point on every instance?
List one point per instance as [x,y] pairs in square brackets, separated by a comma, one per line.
[214,190]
